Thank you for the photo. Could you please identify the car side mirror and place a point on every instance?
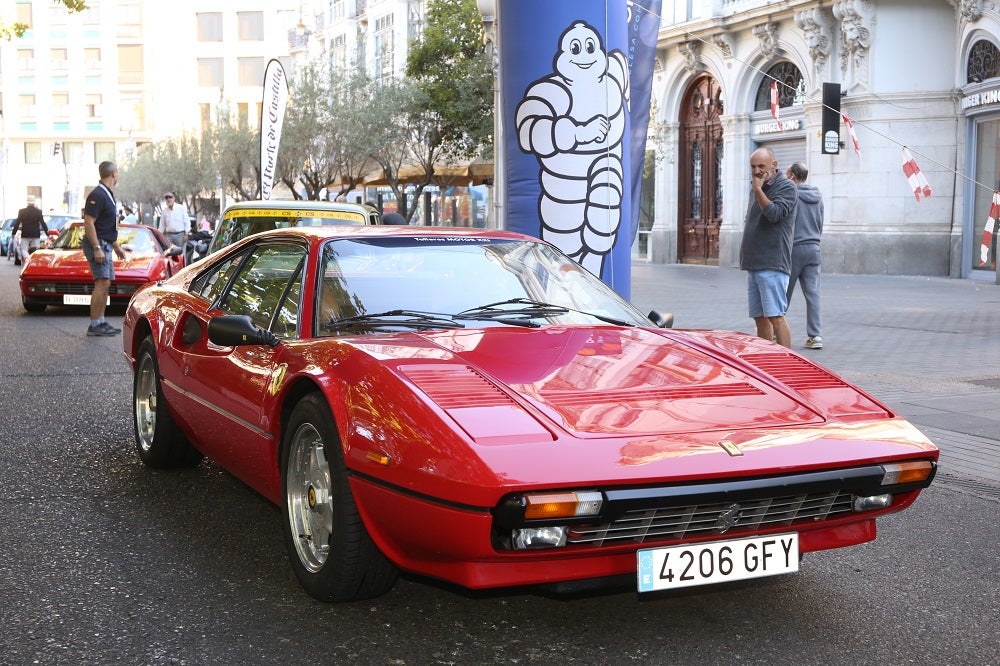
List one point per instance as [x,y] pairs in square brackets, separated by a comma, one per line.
[661,319]
[237,331]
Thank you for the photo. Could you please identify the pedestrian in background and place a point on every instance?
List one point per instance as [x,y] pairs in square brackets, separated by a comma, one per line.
[31,223]
[766,248]
[174,221]
[806,252]
[100,239]
[129,217]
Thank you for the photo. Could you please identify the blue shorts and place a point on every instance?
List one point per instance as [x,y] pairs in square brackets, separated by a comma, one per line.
[105,270]
[767,293]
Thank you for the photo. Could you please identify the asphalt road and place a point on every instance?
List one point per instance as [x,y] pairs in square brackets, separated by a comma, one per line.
[103,561]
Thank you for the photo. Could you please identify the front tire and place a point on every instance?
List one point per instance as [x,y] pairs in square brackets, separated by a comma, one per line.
[331,553]
[32,306]
[158,440]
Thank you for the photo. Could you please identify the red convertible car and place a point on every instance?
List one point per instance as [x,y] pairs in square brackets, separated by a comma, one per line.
[473,406]
[60,275]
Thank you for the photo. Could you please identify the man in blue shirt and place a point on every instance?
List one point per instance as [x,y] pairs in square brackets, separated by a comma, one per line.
[100,222]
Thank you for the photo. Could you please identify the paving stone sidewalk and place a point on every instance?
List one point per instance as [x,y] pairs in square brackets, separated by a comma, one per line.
[927,347]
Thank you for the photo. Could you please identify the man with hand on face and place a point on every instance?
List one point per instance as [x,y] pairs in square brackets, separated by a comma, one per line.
[766,250]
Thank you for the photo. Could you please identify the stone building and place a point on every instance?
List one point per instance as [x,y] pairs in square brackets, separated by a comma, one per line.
[923,74]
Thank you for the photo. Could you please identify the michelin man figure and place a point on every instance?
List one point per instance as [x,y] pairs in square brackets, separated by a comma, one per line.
[573,121]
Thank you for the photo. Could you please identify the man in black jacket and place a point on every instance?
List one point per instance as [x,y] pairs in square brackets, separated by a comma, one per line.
[32,226]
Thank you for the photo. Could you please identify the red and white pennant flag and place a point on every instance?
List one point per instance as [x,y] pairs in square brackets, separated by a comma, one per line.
[854,137]
[776,104]
[991,221]
[914,176]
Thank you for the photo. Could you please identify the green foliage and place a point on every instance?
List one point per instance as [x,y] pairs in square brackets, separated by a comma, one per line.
[450,66]
[10,30]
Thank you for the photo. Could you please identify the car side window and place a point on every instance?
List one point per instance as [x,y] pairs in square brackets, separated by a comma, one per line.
[267,288]
[209,285]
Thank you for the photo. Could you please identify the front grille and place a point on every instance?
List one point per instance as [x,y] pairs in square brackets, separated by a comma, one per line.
[87,288]
[730,518]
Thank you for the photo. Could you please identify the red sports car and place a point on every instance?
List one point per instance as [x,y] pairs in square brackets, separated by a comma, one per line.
[60,275]
[473,406]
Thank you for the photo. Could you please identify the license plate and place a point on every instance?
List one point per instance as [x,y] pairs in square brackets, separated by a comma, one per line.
[79,299]
[717,562]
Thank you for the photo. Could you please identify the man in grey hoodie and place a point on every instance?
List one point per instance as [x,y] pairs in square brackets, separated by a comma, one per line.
[805,251]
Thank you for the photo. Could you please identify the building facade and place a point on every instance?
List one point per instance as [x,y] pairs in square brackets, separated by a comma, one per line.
[921,75]
[80,88]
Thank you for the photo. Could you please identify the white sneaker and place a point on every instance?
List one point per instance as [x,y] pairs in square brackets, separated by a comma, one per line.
[815,342]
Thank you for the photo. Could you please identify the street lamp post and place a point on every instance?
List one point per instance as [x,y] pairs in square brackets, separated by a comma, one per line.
[491,27]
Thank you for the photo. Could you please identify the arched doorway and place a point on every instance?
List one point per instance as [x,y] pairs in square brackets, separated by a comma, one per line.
[700,173]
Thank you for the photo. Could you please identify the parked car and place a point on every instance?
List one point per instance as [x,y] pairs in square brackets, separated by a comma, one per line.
[6,231]
[474,406]
[250,217]
[60,275]
[55,222]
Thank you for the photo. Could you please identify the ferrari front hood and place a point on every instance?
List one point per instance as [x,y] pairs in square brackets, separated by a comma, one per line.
[72,263]
[596,382]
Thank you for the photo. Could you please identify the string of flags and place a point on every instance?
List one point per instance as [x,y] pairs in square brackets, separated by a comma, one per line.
[914,176]
[776,105]
[852,134]
[991,221]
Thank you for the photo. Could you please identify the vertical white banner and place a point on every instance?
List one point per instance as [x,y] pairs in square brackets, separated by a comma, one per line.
[272,116]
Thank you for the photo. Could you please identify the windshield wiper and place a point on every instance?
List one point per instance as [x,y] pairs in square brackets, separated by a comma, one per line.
[396,318]
[531,309]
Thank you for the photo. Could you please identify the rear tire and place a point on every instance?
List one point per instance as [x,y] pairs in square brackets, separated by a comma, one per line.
[330,550]
[159,442]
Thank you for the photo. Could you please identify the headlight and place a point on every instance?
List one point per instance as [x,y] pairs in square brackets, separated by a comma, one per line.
[541,520]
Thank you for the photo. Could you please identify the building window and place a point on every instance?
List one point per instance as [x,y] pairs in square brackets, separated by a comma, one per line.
[129,13]
[32,152]
[92,58]
[250,26]
[338,52]
[251,71]
[73,152]
[60,105]
[26,59]
[383,48]
[57,58]
[130,66]
[205,114]
[984,62]
[789,80]
[131,112]
[210,72]
[26,104]
[243,114]
[337,10]
[104,151]
[93,105]
[24,14]
[209,26]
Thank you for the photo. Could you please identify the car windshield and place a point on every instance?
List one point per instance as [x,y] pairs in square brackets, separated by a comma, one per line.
[243,223]
[380,283]
[139,241]
[57,222]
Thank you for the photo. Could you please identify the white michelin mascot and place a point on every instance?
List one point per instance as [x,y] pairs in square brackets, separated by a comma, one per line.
[573,121]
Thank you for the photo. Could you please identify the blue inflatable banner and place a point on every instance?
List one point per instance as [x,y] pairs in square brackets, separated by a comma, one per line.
[569,145]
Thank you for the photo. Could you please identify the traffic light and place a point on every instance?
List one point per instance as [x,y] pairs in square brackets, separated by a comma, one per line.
[831,119]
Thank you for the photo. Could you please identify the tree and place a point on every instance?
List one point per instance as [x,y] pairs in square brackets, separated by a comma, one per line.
[10,30]
[450,66]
